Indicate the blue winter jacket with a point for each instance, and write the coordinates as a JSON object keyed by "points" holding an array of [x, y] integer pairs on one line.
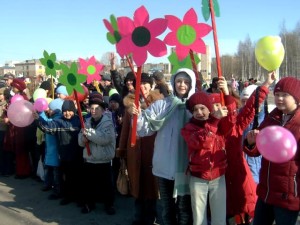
{"points": [[51, 150]]}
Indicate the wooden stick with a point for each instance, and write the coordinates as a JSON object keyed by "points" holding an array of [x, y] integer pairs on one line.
{"points": [[218, 60], [136, 102], [81, 120], [198, 82], [132, 69]]}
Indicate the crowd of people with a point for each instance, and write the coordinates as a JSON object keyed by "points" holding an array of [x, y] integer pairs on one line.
{"points": [[195, 149]]}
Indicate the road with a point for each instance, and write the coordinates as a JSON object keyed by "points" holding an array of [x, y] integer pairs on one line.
{"points": [[23, 203]]}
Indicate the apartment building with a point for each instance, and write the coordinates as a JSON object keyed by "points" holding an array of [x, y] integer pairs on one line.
{"points": [[30, 68], [7, 69]]}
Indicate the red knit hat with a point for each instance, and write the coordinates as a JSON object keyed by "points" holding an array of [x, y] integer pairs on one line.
{"points": [[200, 97], [19, 84], [290, 85], [215, 98]]}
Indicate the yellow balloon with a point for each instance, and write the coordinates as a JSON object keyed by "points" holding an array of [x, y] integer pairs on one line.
{"points": [[49, 100], [269, 52]]}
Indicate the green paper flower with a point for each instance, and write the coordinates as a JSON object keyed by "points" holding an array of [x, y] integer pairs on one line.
{"points": [[71, 79], [49, 61], [113, 35], [206, 10], [185, 63]]}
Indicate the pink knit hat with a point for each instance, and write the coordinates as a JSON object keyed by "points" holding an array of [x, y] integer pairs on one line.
{"points": [[290, 85], [200, 97]]}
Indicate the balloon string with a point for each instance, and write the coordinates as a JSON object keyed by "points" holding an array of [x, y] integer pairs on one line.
{"points": [[81, 120], [218, 60]]}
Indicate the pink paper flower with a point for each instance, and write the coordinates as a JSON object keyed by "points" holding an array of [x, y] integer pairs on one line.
{"points": [[186, 34], [139, 36], [91, 69]]}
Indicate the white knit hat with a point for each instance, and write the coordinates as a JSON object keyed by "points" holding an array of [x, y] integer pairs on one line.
{"points": [[247, 91]]}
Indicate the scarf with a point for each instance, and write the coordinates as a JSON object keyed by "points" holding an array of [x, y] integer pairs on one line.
{"points": [[181, 186]]}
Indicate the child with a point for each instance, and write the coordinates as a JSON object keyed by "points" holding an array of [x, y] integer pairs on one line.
{"points": [[52, 169], [99, 134], [207, 155], [66, 129], [278, 187], [240, 185]]}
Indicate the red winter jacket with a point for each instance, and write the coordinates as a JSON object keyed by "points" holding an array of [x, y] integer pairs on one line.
{"points": [[240, 185], [279, 182], [206, 145]]}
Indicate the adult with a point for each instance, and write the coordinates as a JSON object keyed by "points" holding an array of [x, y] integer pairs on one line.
{"points": [[161, 84], [15, 140], [213, 87], [8, 78], [143, 184]]}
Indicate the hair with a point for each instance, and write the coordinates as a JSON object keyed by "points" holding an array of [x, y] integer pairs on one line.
{"points": [[235, 95]]}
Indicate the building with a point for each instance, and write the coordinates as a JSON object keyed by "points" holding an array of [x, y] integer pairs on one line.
{"points": [[204, 66], [30, 68], [7, 69]]}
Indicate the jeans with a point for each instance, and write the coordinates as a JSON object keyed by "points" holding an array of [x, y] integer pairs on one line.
{"points": [[145, 211], [215, 192], [265, 214], [174, 211], [53, 178]]}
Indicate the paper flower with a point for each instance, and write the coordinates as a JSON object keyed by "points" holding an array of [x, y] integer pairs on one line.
{"points": [[113, 35], [186, 34], [185, 63], [206, 9], [71, 79], [139, 36], [49, 61], [91, 69]]}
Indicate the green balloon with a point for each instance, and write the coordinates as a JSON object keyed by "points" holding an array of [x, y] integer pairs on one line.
{"points": [[39, 93]]}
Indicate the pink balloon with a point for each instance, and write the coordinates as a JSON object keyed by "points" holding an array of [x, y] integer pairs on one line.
{"points": [[277, 144], [20, 113], [40, 105], [16, 98]]}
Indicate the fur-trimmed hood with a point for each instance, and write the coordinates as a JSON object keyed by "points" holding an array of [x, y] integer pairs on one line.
{"points": [[153, 96]]}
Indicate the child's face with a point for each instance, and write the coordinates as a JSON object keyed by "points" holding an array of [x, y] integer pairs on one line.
{"points": [[61, 96], [201, 112], [113, 105], [285, 102], [49, 112], [182, 86], [217, 106], [68, 114], [15, 90]]}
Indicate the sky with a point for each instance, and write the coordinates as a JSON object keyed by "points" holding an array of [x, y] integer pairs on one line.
{"points": [[74, 28]]}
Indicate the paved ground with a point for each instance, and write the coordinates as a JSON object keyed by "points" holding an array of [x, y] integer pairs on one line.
{"points": [[22, 202]]}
